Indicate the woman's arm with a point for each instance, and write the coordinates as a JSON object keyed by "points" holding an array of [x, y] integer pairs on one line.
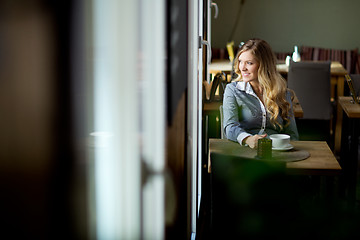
{"points": [[232, 126]]}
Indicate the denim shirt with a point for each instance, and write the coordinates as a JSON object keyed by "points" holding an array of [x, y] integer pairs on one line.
{"points": [[246, 115]]}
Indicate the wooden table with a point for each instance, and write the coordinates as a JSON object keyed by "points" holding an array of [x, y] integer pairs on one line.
{"points": [[223, 65], [351, 109], [217, 66], [321, 161], [338, 73], [350, 144]]}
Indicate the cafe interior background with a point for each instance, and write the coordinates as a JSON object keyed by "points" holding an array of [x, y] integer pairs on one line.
{"points": [[101, 106]]}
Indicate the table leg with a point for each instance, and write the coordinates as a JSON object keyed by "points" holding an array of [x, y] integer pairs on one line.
{"points": [[338, 129], [340, 85], [339, 115]]}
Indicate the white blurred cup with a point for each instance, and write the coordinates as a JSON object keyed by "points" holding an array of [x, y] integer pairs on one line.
{"points": [[280, 140]]}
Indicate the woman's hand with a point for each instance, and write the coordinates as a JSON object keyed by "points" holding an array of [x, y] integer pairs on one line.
{"points": [[252, 141]]}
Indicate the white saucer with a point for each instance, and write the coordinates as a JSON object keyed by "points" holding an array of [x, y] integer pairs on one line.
{"points": [[288, 147]]}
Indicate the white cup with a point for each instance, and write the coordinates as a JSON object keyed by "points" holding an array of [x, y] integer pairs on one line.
{"points": [[280, 140]]}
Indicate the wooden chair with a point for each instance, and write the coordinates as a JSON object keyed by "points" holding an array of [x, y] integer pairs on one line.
{"points": [[356, 83], [222, 130]]}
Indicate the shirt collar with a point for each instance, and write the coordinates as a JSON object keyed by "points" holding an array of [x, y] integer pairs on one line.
{"points": [[244, 86]]}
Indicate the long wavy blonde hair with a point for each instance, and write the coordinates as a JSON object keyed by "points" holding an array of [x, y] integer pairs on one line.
{"points": [[273, 84]]}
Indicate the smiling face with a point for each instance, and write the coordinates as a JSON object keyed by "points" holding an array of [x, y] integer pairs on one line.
{"points": [[248, 66]]}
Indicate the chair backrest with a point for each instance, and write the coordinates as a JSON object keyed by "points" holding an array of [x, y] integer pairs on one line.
{"points": [[222, 122], [356, 83], [311, 83]]}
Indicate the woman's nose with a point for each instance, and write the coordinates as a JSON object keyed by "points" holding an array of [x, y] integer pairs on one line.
{"points": [[242, 66]]}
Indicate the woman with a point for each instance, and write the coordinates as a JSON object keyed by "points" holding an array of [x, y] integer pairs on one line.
{"points": [[258, 104]]}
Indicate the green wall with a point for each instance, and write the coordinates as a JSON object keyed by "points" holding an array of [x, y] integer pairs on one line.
{"points": [[285, 23]]}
